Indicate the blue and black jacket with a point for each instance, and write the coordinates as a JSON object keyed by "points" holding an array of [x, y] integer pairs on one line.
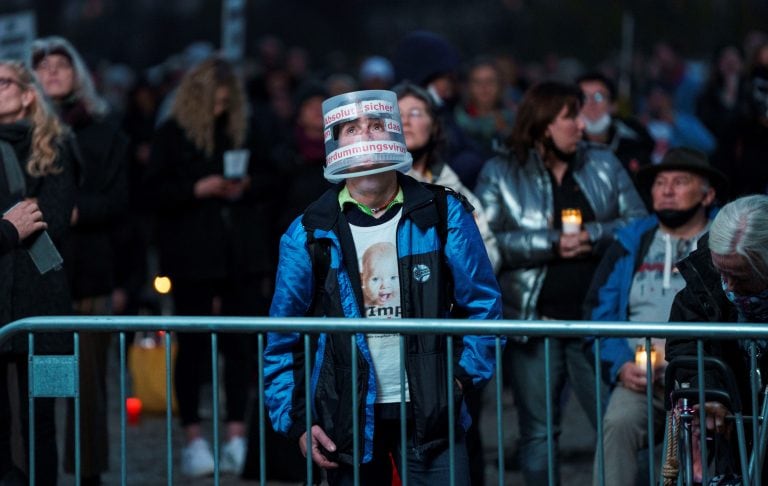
{"points": [[436, 282], [608, 296]]}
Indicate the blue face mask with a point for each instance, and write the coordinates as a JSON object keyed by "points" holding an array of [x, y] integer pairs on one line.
{"points": [[752, 308]]}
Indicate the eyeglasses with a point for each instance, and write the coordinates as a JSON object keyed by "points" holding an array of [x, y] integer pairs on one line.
{"points": [[7, 82], [413, 113], [596, 97]]}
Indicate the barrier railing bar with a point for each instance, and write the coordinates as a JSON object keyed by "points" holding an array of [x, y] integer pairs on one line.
{"points": [[451, 412], [649, 409], [702, 410], [308, 406], [499, 415], [550, 433], [403, 419], [313, 325], [31, 398], [78, 435], [123, 415], [262, 418], [355, 413], [754, 385], [168, 406], [599, 411], [215, 400]]}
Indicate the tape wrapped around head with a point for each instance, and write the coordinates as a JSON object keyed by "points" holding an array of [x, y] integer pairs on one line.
{"points": [[363, 135]]}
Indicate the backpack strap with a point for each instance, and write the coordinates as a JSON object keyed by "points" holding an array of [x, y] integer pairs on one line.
{"points": [[441, 203]]}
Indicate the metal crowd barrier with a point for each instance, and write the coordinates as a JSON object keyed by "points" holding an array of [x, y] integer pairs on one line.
{"points": [[57, 376]]}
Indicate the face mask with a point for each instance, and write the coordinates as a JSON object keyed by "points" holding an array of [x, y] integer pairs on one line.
{"points": [[675, 218], [753, 308], [598, 126]]}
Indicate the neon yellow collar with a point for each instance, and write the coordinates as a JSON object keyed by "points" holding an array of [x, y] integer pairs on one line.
{"points": [[346, 198]]}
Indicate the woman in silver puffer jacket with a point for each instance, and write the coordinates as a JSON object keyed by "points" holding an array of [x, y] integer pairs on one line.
{"points": [[545, 272]]}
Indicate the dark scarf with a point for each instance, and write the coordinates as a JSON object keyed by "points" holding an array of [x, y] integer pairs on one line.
{"points": [[19, 136], [550, 146], [16, 133], [74, 113]]}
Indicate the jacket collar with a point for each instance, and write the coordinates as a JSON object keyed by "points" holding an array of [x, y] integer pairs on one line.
{"points": [[323, 214], [578, 161], [704, 282]]}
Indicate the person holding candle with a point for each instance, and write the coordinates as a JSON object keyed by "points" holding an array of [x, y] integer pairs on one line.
{"points": [[545, 271], [637, 281]]}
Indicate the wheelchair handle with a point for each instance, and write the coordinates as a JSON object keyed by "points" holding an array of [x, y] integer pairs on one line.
{"points": [[710, 364]]}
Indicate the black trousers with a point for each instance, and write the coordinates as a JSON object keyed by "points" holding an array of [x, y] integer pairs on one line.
{"points": [[193, 361]]}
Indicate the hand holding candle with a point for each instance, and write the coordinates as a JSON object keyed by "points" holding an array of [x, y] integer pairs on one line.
{"points": [[641, 357], [571, 219]]}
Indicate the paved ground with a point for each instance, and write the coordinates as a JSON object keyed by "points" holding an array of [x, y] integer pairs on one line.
{"points": [[147, 463]]}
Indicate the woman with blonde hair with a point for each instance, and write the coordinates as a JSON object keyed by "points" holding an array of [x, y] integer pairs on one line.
{"points": [[36, 165], [211, 242]]}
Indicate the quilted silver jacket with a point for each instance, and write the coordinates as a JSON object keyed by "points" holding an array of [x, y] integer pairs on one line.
{"points": [[518, 203], [445, 176]]}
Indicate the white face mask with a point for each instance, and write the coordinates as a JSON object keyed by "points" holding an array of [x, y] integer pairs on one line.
{"points": [[598, 126]]}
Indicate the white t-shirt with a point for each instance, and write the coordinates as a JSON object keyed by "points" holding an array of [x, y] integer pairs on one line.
{"points": [[376, 248], [657, 281]]}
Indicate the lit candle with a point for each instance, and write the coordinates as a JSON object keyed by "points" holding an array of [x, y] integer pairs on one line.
{"points": [[571, 221], [133, 409], [641, 357]]}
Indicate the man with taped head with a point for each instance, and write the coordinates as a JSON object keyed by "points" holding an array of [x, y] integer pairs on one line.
{"points": [[440, 268]]}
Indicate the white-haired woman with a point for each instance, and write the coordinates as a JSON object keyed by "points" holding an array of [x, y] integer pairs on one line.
{"points": [[101, 202], [727, 281], [36, 165], [212, 243]]}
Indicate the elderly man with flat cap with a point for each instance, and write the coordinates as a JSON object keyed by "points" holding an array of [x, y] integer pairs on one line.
{"points": [[637, 280]]}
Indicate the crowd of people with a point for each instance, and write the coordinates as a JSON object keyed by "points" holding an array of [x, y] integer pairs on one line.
{"points": [[419, 185]]}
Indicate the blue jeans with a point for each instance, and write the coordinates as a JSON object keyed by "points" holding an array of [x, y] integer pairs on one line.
{"points": [[431, 471], [571, 360]]}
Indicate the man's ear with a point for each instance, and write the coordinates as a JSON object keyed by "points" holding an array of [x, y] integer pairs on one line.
{"points": [[709, 197]]}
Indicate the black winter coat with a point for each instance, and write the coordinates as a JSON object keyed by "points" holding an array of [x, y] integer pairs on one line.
{"points": [[23, 291], [205, 238], [703, 300], [102, 201]]}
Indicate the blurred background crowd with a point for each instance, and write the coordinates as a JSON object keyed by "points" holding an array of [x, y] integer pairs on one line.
{"points": [[151, 105]]}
